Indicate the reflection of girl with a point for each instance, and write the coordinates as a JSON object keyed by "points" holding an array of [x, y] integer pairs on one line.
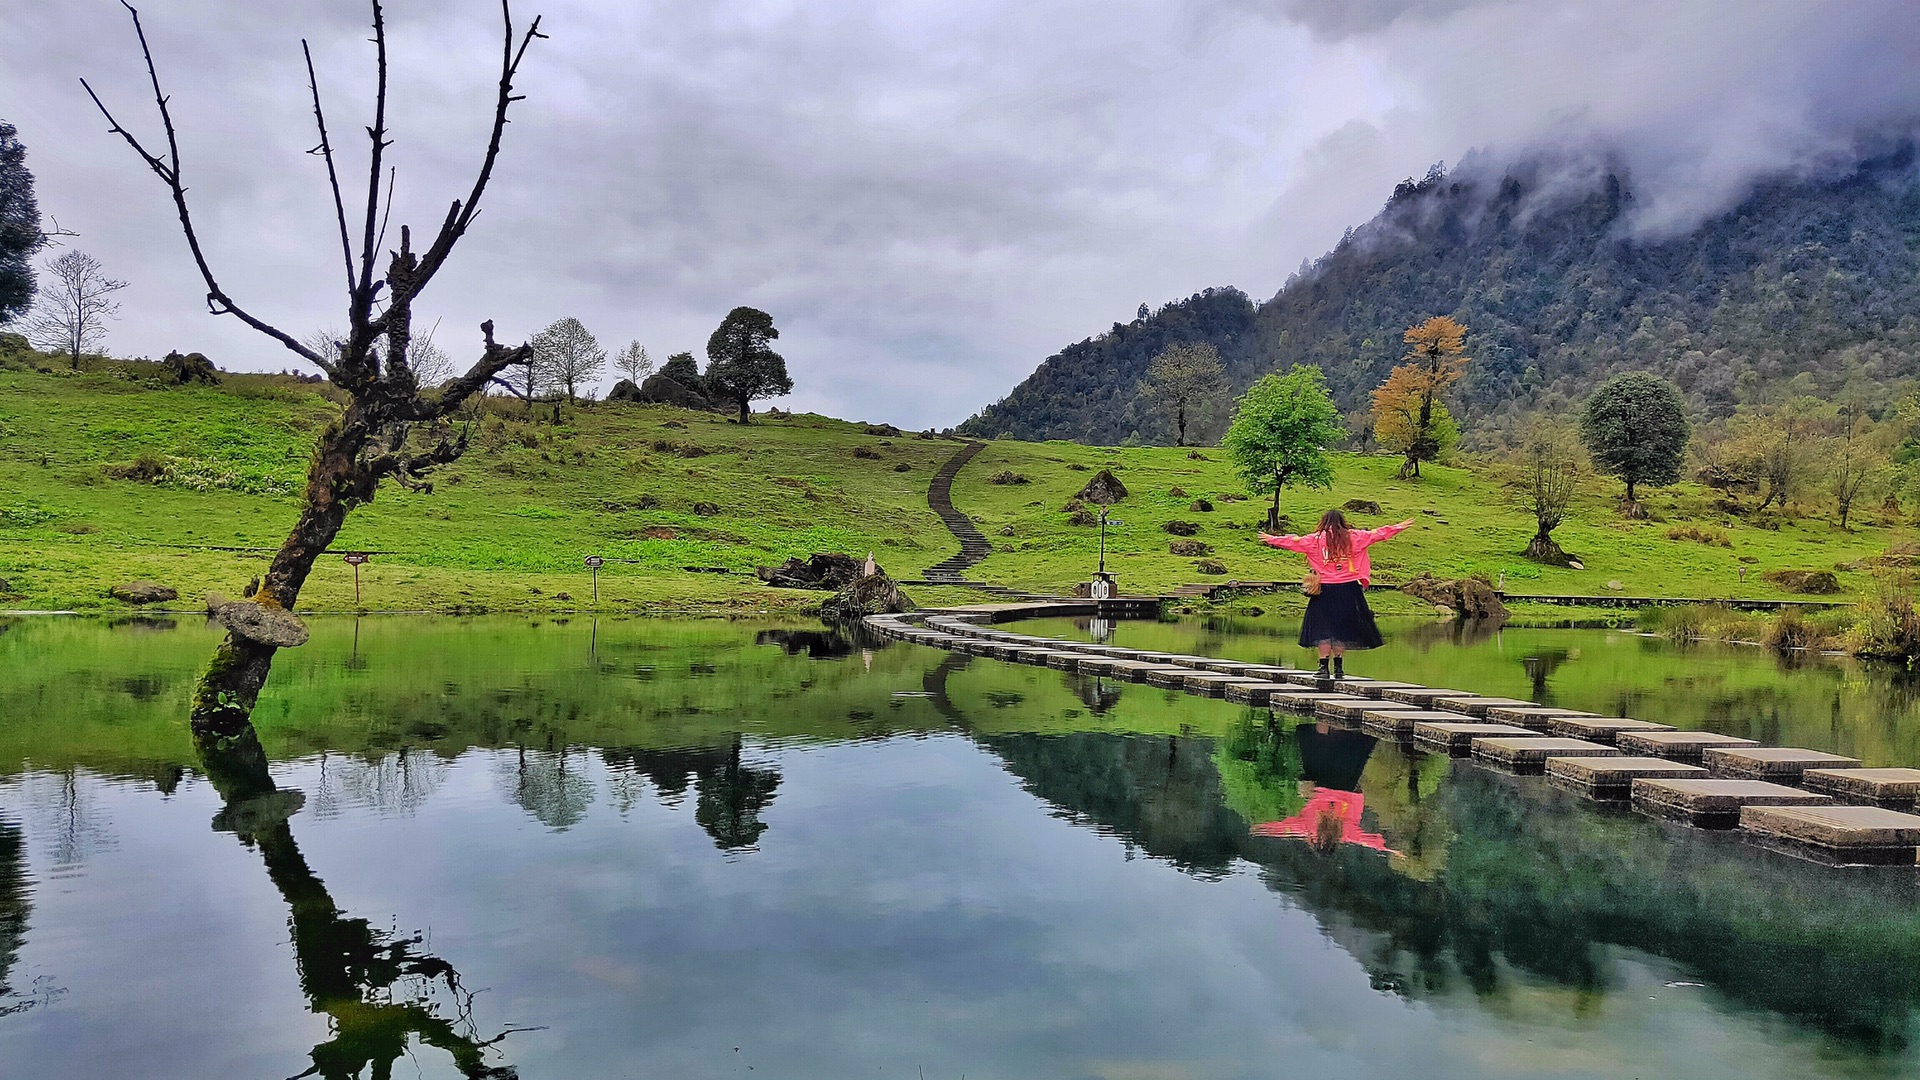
{"points": [[1337, 617]]}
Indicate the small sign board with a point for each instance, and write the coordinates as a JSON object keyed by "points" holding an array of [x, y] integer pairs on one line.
{"points": [[356, 558], [595, 562]]}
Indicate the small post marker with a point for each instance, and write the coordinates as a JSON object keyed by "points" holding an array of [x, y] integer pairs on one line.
{"points": [[356, 559], [594, 562]]}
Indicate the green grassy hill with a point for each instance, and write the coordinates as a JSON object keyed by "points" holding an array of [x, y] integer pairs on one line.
{"points": [[657, 491]]}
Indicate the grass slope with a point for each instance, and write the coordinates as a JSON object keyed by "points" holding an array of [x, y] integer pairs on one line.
{"points": [[508, 526]]}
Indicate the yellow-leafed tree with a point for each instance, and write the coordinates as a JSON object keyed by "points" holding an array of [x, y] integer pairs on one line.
{"points": [[1408, 416]]}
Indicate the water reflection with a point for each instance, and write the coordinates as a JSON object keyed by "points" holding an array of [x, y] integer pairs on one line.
{"points": [[909, 819], [380, 992]]}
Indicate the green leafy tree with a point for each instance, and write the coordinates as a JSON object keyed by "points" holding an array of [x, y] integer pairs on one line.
{"points": [[683, 369], [1282, 427], [741, 367], [1635, 426]]}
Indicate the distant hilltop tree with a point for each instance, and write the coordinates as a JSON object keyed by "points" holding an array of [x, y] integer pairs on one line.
{"points": [[741, 366], [568, 356], [71, 313], [633, 362]]}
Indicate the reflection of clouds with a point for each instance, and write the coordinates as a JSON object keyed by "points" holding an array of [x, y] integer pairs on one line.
{"points": [[397, 784], [552, 785]]}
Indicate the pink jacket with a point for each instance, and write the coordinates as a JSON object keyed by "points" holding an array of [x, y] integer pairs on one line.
{"points": [[1356, 567]]}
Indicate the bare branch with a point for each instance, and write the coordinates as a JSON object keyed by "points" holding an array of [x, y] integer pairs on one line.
{"points": [[363, 296], [462, 214], [495, 359], [326, 151], [218, 302]]}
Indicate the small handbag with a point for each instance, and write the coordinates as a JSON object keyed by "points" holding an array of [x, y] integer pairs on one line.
{"points": [[1310, 584]]}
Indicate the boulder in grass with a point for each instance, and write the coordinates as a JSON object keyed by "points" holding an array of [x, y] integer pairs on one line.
{"points": [[1361, 506], [1812, 582], [1104, 489], [875, 594], [258, 619], [192, 368], [1468, 598], [143, 592]]}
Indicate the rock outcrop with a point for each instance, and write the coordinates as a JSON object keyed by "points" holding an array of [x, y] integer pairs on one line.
{"points": [[1468, 598], [821, 571], [143, 592], [876, 594]]}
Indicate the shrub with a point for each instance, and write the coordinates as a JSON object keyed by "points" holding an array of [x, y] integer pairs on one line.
{"points": [[1710, 537], [665, 446], [1083, 517], [1813, 582], [1182, 528], [147, 469], [1195, 455], [1201, 506], [692, 451], [1790, 631], [705, 509], [1887, 627], [903, 467], [1077, 467], [1361, 506], [867, 452], [1190, 547], [1177, 492], [1007, 476], [1210, 566]]}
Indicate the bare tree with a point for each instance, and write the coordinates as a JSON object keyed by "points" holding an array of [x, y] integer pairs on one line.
{"points": [[633, 362], [567, 355], [1854, 463], [1185, 379], [75, 303], [1550, 470], [388, 428]]}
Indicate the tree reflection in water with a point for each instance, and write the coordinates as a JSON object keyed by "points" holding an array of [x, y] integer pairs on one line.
{"points": [[732, 794], [378, 991]]}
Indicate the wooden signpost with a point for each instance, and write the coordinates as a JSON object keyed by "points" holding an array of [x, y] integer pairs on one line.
{"points": [[356, 559], [594, 562]]}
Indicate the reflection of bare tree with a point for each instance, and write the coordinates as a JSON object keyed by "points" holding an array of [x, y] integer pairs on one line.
{"points": [[379, 992], [547, 784], [398, 783], [731, 793], [13, 912], [65, 812]]}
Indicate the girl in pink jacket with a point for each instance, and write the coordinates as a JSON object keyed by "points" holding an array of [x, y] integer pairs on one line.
{"points": [[1337, 617]]}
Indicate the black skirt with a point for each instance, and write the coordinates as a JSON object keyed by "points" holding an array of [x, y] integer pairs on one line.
{"points": [[1340, 616]]}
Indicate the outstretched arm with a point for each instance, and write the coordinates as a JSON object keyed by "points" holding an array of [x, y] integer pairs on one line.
{"points": [[1387, 532], [1291, 543]]}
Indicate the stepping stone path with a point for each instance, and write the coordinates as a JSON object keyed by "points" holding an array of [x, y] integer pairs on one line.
{"points": [[1700, 778]]}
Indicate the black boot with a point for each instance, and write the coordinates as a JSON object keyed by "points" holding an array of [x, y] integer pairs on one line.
{"points": [[1322, 673], [1339, 668]]}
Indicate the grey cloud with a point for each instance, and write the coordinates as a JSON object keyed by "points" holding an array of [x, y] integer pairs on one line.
{"points": [[929, 198]]}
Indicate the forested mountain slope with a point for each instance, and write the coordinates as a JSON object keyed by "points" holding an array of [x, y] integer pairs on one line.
{"points": [[1814, 276]]}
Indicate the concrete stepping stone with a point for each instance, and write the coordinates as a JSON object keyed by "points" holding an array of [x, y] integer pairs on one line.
{"points": [[1837, 835], [1214, 683], [1712, 804], [1169, 676], [1256, 692], [1610, 779], [1395, 719], [1352, 708], [1455, 737], [1422, 695], [1135, 670], [1529, 755], [1228, 667], [1370, 688], [1600, 729], [1065, 660], [1096, 665], [1893, 789], [1475, 706], [1301, 701], [1780, 764], [1679, 745], [1047, 657], [1537, 717], [1308, 679]]}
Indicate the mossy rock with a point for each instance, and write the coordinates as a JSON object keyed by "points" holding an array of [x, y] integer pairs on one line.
{"points": [[1190, 547], [1182, 528], [1809, 582]]}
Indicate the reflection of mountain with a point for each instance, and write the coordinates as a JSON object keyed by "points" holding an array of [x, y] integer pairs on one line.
{"points": [[380, 993], [1530, 881], [731, 794]]}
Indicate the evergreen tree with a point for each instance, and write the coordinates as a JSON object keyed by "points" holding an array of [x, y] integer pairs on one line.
{"points": [[1635, 426], [740, 366], [20, 235], [1281, 430]]}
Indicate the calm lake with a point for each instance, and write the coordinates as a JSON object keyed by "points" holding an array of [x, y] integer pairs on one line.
{"points": [[638, 848]]}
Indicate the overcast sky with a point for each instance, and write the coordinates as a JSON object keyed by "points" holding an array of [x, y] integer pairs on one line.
{"points": [[929, 198]]}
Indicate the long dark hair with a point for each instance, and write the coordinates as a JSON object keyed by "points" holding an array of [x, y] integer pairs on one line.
{"points": [[1334, 532]]}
